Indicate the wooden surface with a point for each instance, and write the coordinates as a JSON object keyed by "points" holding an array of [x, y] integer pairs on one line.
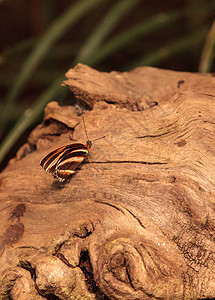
{"points": [[140, 228]]}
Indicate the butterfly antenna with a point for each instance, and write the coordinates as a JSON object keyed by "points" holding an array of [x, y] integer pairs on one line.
{"points": [[87, 134], [85, 128], [99, 138]]}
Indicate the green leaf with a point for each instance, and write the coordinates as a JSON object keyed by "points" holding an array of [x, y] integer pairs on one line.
{"points": [[30, 116], [55, 31], [112, 18], [127, 37], [207, 56], [162, 53]]}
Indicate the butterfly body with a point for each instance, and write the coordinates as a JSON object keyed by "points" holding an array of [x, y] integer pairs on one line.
{"points": [[63, 162]]}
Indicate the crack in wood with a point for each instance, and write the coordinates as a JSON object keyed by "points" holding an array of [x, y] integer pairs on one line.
{"points": [[127, 162], [141, 224], [152, 136], [205, 94], [27, 266], [63, 259], [51, 297], [112, 205], [86, 268]]}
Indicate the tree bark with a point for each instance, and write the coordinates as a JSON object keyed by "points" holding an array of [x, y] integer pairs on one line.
{"points": [[137, 224]]}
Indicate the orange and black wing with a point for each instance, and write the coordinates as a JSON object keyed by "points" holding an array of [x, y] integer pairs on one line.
{"points": [[63, 162]]}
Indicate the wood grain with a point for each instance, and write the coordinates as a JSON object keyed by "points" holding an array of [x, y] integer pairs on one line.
{"points": [[140, 228]]}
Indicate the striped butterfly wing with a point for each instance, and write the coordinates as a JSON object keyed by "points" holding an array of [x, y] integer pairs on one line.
{"points": [[69, 162], [63, 161]]}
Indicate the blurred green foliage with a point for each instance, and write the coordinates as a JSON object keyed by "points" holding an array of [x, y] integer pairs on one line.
{"points": [[119, 35]]}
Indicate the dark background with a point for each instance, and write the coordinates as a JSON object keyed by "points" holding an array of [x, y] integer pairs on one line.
{"points": [[165, 34]]}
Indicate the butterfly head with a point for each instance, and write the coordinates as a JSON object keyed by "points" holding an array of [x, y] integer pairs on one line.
{"points": [[89, 144]]}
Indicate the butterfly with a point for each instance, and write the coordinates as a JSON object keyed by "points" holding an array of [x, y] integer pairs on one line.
{"points": [[63, 162]]}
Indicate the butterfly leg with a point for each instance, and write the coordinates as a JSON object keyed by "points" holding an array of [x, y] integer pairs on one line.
{"points": [[92, 163]]}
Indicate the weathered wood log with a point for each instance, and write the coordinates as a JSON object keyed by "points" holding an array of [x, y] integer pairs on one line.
{"points": [[140, 228]]}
